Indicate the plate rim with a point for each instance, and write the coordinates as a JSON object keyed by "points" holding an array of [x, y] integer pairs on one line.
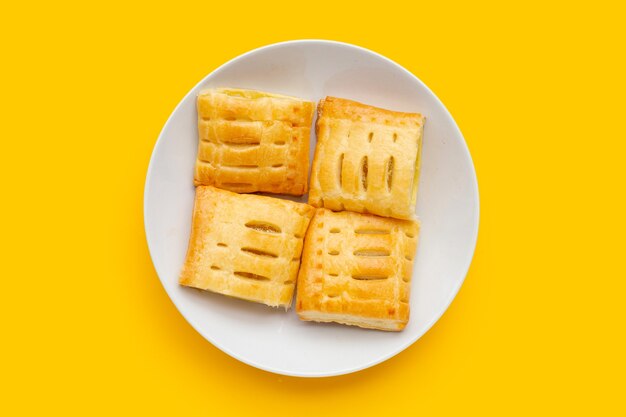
{"points": [[402, 347]]}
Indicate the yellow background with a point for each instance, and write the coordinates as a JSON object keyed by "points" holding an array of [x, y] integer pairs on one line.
{"points": [[538, 90]]}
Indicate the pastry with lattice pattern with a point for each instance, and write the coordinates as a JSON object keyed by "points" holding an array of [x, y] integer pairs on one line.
{"points": [[253, 141], [245, 246], [356, 270], [366, 160]]}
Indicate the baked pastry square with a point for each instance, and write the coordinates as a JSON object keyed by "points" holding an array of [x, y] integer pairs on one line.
{"points": [[367, 159], [245, 246], [252, 141], [356, 270]]}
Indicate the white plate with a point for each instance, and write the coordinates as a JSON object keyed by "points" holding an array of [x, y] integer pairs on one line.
{"points": [[275, 340]]}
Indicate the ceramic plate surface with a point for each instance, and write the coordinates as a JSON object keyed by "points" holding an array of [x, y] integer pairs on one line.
{"points": [[275, 340]]}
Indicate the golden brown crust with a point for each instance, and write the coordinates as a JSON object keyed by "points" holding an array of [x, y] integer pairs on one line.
{"points": [[366, 160], [253, 141], [356, 269], [341, 108], [245, 246]]}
